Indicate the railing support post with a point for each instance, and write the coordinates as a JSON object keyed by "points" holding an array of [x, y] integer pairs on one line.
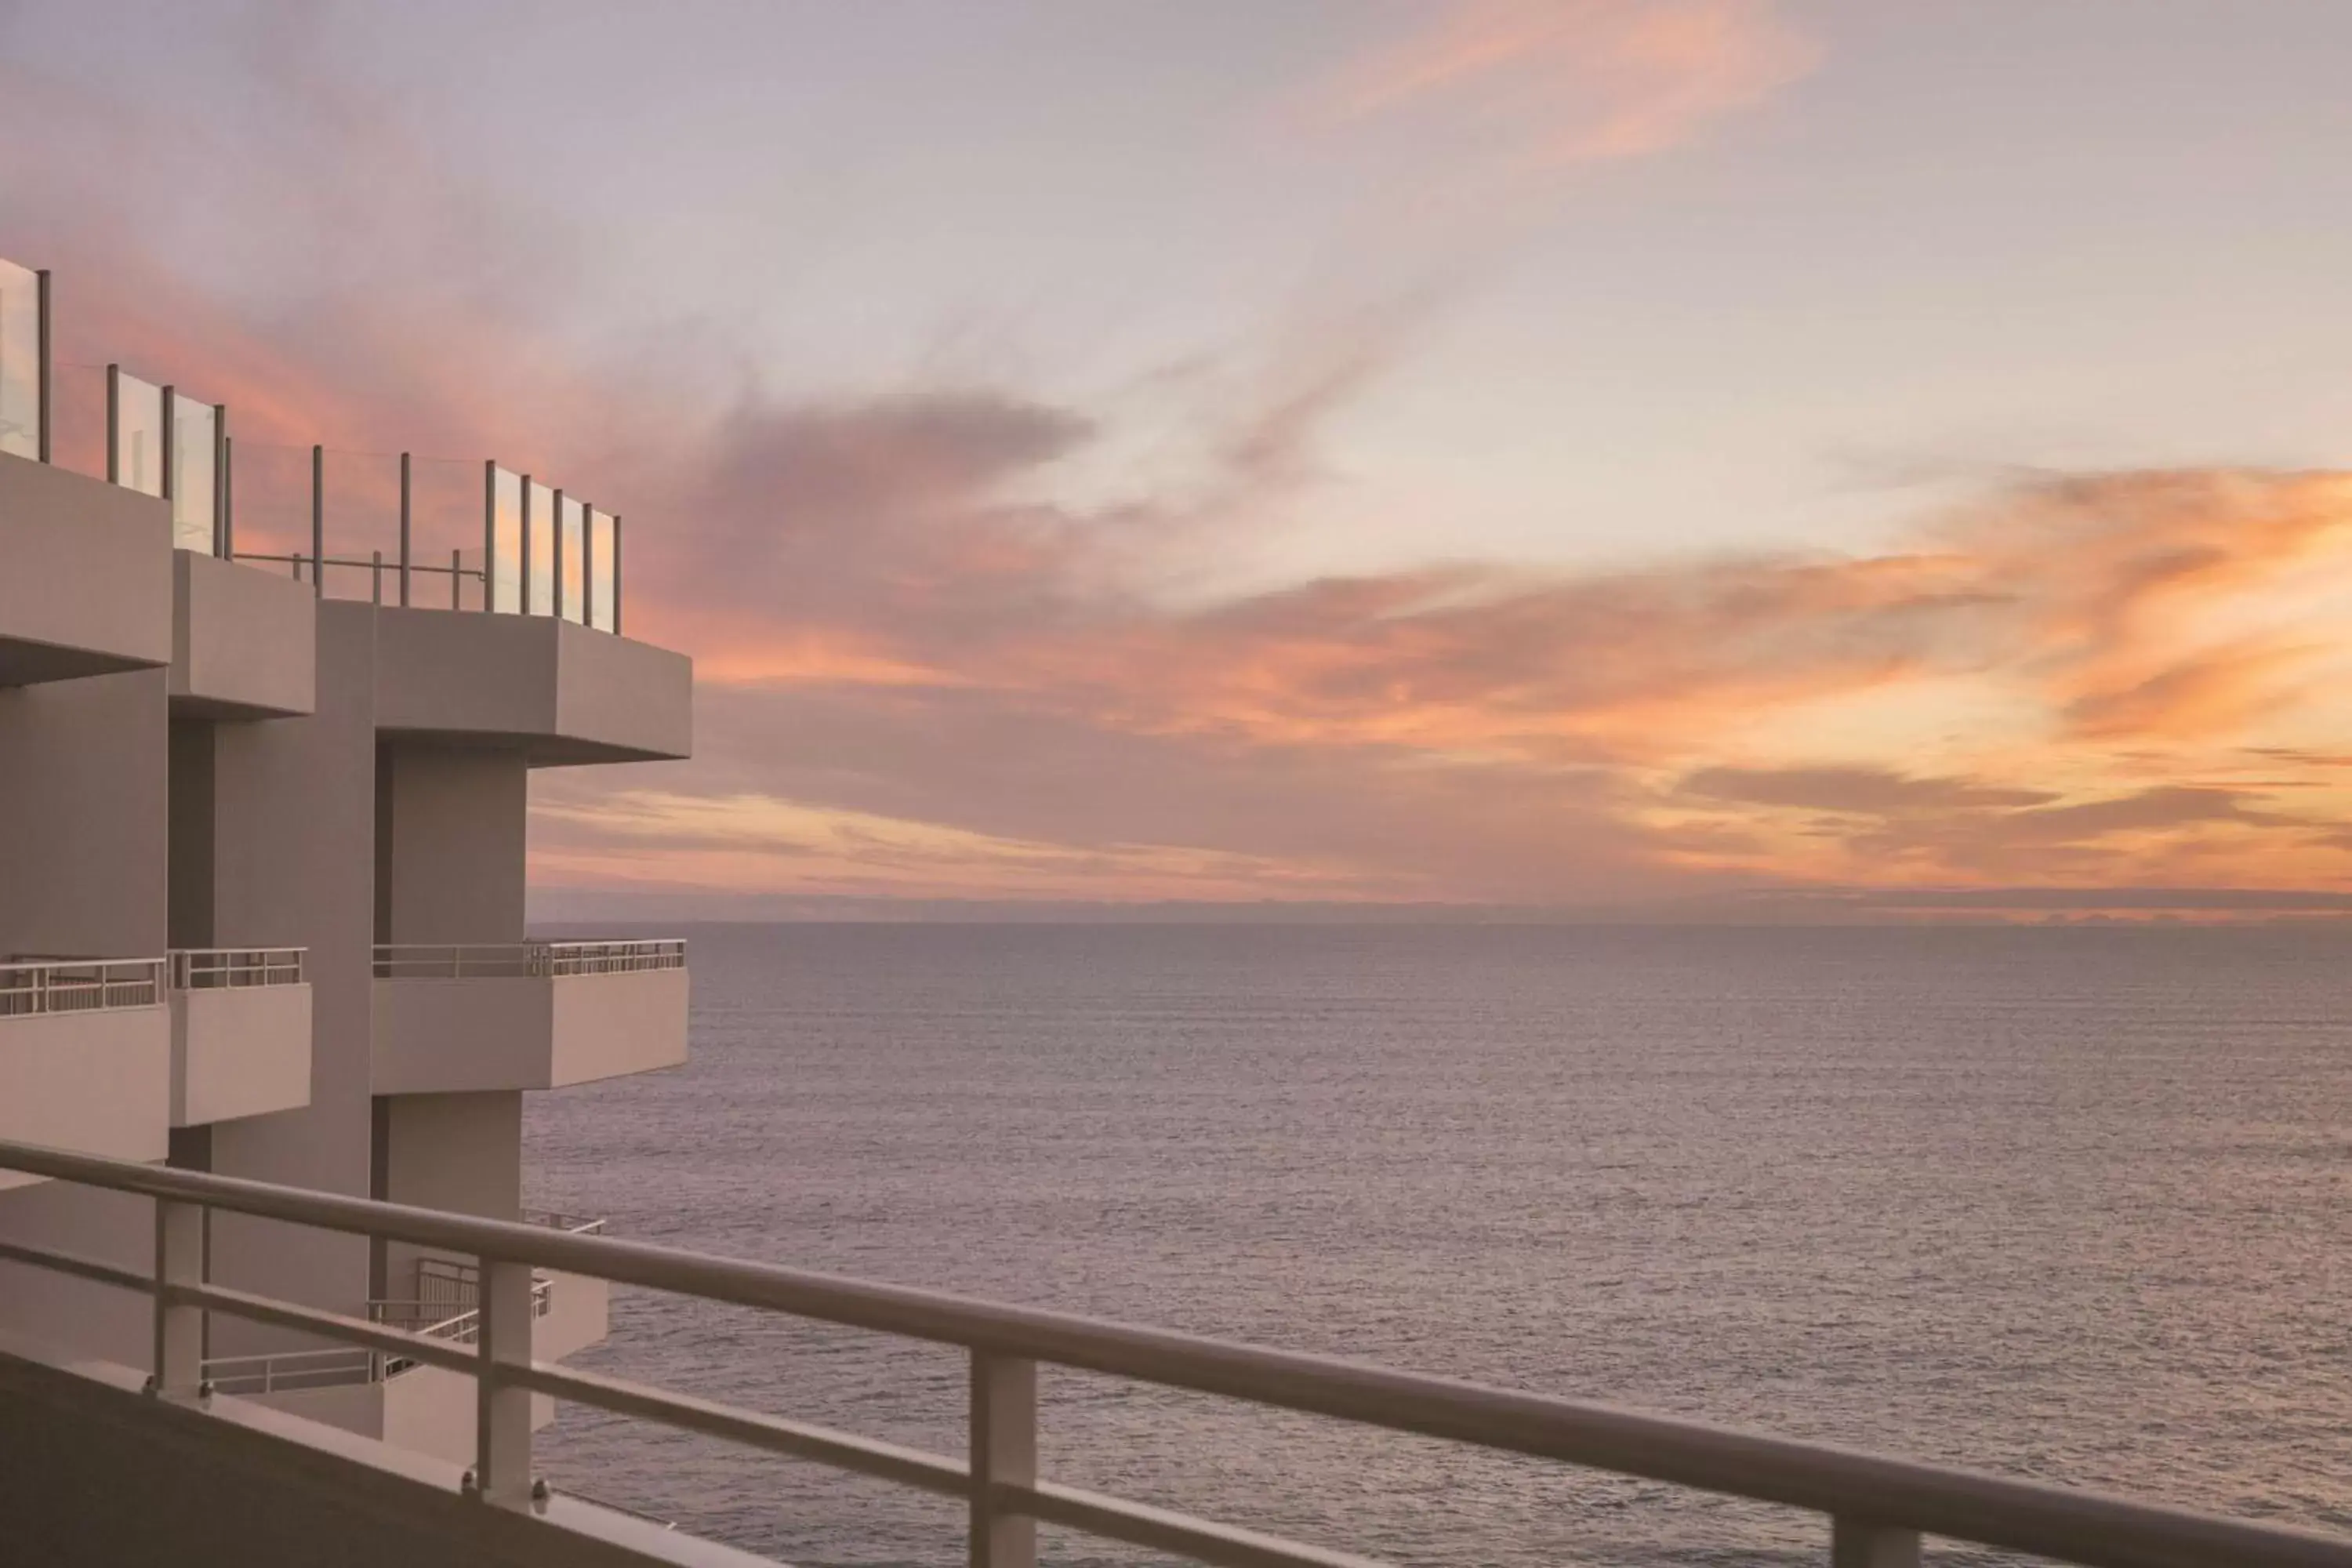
{"points": [[179, 1330], [1003, 1449], [1859, 1544], [318, 521], [403, 530], [502, 1411]]}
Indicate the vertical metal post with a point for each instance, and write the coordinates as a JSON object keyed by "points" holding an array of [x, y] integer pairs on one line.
{"points": [[375, 578], [456, 557], [490, 539], [171, 443], [318, 521], [1003, 1449], [41, 352], [1859, 1544], [555, 585], [114, 424], [403, 530], [221, 546], [179, 1330], [502, 1411], [523, 576], [616, 575], [588, 566]]}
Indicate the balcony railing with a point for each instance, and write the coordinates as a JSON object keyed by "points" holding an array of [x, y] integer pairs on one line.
{"points": [[36, 987], [224, 968], [571, 1224], [446, 1307], [541, 551], [1877, 1509], [528, 960]]}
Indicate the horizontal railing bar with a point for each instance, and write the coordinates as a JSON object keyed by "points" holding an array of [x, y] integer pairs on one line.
{"points": [[79, 1266], [325, 1325], [2042, 1520], [842, 1450], [1141, 1524]]}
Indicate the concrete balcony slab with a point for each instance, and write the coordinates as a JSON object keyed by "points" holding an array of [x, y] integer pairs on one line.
{"points": [[84, 1075], [245, 642], [239, 1051], [555, 691], [466, 1032], [87, 589]]}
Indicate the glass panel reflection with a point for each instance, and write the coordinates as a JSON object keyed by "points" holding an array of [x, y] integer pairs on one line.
{"points": [[539, 564], [20, 360], [600, 570], [194, 488], [138, 424], [572, 581], [505, 542]]}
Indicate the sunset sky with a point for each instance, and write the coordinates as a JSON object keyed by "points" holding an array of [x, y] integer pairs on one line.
{"points": [[1604, 455]]}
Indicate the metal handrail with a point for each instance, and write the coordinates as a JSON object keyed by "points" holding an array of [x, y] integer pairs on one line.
{"points": [[46, 985], [218, 968], [1879, 1506], [512, 960], [577, 1224]]}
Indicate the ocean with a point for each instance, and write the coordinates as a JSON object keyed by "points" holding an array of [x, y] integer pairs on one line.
{"points": [[2063, 1203]]}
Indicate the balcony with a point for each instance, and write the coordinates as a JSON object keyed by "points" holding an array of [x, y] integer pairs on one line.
{"points": [[533, 1014], [240, 1033], [398, 1399], [553, 690], [244, 641], [86, 1057], [87, 589]]}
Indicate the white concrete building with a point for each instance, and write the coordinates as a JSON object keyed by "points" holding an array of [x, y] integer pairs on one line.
{"points": [[262, 872]]}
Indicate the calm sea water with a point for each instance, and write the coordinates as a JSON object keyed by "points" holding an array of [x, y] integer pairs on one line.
{"points": [[2063, 1203]]}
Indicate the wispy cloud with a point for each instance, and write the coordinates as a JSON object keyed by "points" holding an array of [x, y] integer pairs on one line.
{"points": [[1549, 82]]}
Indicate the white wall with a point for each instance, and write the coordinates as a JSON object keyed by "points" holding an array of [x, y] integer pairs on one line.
{"points": [[241, 1051], [293, 865], [450, 844], [87, 585], [242, 638], [84, 808]]}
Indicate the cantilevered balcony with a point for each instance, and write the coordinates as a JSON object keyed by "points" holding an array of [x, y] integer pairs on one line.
{"points": [[87, 585], [86, 1057], [244, 641], [533, 1014], [553, 690], [240, 1033]]}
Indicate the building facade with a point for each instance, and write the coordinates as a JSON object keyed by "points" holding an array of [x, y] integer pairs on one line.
{"points": [[262, 869]]}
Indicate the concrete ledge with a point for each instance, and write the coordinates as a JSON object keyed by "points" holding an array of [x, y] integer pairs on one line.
{"points": [[552, 690], [95, 1083], [239, 1050], [449, 1036], [99, 1474], [88, 588], [245, 642]]}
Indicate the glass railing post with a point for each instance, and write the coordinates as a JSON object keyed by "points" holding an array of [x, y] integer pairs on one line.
{"points": [[616, 575], [45, 421], [114, 424], [404, 529], [523, 574], [318, 521], [1003, 1450], [489, 541], [221, 545]]}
